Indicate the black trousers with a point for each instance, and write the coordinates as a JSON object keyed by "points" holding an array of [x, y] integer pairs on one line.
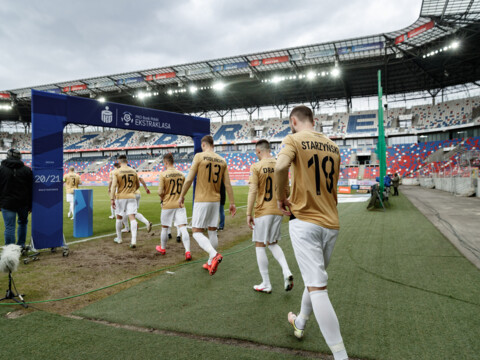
{"points": [[395, 191]]}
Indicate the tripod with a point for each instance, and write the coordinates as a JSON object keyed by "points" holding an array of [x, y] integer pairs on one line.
{"points": [[10, 295]]}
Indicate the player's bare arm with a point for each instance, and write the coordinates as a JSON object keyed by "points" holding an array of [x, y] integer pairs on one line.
{"points": [[229, 191], [188, 182], [252, 196], [144, 184], [113, 191], [281, 178], [161, 189]]}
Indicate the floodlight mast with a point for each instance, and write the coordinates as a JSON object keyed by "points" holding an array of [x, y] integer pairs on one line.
{"points": [[381, 147]]}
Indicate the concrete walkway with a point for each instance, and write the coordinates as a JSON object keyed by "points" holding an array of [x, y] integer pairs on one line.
{"points": [[458, 218]]}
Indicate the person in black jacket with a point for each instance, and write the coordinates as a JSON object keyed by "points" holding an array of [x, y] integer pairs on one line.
{"points": [[16, 182], [222, 207]]}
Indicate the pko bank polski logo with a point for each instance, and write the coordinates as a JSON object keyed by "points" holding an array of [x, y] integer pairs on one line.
{"points": [[127, 118], [107, 115]]}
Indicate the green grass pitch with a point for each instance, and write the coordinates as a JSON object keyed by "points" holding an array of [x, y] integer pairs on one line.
{"points": [[400, 290]]}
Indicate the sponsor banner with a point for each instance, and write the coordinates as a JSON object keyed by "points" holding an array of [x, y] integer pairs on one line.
{"points": [[78, 87], [168, 75], [231, 66], [420, 30], [66, 89], [132, 80], [355, 187], [399, 39], [160, 76], [296, 57], [254, 62], [342, 183], [101, 84], [363, 191], [344, 190], [321, 53], [359, 48], [54, 91], [5, 95], [352, 182], [237, 65], [275, 60], [365, 187], [198, 71], [181, 73]]}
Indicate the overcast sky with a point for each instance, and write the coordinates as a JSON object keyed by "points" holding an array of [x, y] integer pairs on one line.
{"points": [[50, 41]]}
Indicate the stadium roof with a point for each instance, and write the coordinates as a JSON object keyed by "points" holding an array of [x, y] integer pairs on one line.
{"points": [[439, 50]]}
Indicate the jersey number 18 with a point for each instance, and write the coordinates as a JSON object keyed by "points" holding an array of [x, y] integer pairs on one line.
{"points": [[328, 175]]}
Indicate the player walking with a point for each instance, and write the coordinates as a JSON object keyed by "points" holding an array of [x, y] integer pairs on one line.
{"points": [[124, 184], [268, 218], [116, 166], [169, 190], [72, 180], [138, 196], [210, 169], [314, 223]]}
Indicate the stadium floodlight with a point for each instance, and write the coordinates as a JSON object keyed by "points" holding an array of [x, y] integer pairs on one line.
{"points": [[455, 44], [193, 89], [219, 86], [101, 99], [6, 107], [170, 92], [335, 72], [276, 79], [311, 75]]}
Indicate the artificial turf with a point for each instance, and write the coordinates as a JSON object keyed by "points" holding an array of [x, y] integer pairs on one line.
{"points": [[400, 290], [47, 336]]}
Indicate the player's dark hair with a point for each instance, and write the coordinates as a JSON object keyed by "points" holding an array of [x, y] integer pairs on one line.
{"points": [[168, 158], [122, 158], [302, 113], [263, 144], [116, 164], [208, 139]]}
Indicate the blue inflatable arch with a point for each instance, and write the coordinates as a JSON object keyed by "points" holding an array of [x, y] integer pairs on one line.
{"points": [[50, 114]]}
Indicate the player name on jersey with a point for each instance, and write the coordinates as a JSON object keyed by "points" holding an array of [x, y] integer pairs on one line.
{"points": [[317, 145]]}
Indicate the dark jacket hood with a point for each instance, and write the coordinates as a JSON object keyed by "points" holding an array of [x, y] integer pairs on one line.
{"points": [[13, 163]]}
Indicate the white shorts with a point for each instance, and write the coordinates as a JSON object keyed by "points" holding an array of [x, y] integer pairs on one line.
{"points": [[137, 198], [205, 214], [313, 246], [178, 216], [267, 229], [125, 207], [69, 198]]}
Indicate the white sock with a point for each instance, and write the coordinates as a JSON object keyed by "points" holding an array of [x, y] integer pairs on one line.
{"points": [[212, 235], [278, 254], [205, 244], [142, 218], [134, 226], [113, 211], [305, 310], [262, 261], [125, 222], [185, 238], [179, 231], [328, 322], [164, 238], [71, 208], [118, 227]]}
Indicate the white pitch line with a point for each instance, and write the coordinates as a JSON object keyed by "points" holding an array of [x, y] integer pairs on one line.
{"points": [[112, 234]]}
